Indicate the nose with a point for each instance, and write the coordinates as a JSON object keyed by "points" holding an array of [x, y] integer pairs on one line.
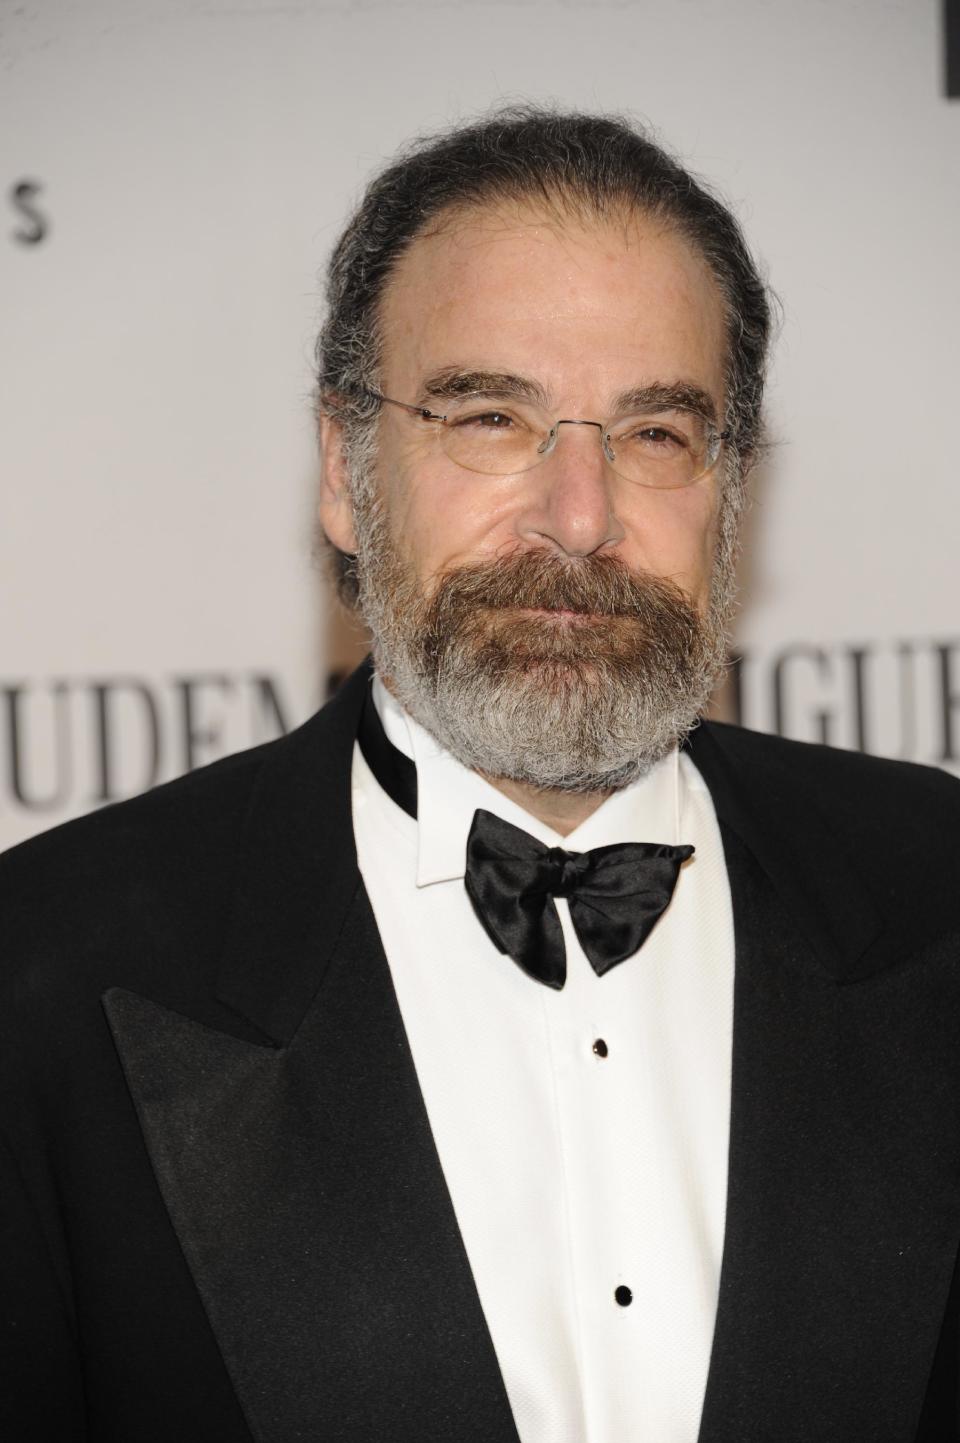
{"points": [[571, 494]]}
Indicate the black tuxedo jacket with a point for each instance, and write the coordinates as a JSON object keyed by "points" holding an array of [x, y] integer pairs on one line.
{"points": [[223, 1216]]}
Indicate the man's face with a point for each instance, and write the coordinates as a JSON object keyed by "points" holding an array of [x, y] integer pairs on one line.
{"points": [[582, 313], [587, 312]]}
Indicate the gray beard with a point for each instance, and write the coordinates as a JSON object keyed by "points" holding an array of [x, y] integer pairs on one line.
{"points": [[581, 703]]}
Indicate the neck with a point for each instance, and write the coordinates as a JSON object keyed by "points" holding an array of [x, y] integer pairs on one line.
{"points": [[561, 811]]}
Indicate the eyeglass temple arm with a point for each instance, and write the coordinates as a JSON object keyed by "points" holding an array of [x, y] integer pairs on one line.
{"points": [[405, 405]]}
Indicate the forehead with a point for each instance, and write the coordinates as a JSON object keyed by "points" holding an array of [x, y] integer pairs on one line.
{"points": [[579, 304]]}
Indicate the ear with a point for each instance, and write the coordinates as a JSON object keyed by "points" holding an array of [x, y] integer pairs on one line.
{"points": [[335, 507]]}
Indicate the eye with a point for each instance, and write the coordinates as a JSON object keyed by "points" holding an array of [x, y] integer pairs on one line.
{"points": [[659, 438], [662, 435], [483, 420]]}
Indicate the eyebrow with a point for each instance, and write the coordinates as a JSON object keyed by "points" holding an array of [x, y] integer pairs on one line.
{"points": [[453, 383], [450, 384], [662, 396]]}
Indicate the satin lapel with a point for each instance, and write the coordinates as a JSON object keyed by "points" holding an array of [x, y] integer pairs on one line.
{"points": [[301, 1175], [306, 1193], [843, 1199]]}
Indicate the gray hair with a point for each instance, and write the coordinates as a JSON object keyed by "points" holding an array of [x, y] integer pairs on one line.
{"points": [[593, 164]]}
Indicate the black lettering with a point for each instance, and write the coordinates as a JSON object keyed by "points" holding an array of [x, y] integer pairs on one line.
{"points": [[951, 40], [21, 198], [104, 696], [270, 719], [783, 668], [949, 701], [907, 688], [197, 735], [858, 657], [18, 744]]}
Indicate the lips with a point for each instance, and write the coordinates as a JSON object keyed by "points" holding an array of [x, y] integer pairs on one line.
{"points": [[560, 613]]}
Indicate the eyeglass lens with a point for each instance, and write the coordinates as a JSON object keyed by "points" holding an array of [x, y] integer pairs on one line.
{"points": [[665, 448]]}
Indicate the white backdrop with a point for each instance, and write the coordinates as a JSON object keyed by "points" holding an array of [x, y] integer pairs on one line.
{"points": [[174, 172]]}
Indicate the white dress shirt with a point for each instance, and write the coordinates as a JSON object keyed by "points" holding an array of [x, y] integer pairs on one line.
{"points": [[583, 1133]]}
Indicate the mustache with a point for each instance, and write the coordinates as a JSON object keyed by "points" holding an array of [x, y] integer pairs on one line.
{"points": [[537, 580]]}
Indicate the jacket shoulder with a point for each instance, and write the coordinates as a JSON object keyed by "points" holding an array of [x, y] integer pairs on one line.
{"points": [[864, 847], [840, 781], [156, 823], [145, 894], [891, 825], [143, 879]]}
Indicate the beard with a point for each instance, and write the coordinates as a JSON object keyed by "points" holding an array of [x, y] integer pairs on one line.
{"points": [[575, 674]]}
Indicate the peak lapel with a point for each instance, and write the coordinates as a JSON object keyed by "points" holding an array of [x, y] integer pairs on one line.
{"points": [[302, 1178], [761, 801], [841, 1227]]}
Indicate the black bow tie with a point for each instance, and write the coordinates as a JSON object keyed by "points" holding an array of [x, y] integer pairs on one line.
{"points": [[616, 894]]}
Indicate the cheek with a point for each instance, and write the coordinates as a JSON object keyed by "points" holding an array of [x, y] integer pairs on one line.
{"points": [[439, 517], [674, 533]]}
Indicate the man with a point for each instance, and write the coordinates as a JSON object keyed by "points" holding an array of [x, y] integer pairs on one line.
{"points": [[501, 1056]]}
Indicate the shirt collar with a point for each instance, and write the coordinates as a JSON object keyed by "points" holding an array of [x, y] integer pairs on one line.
{"points": [[449, 793]]}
